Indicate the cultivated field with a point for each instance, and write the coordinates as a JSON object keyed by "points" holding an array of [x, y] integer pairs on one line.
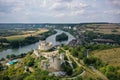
{"points": [[111, 56], [26, 34], [104, 28]]}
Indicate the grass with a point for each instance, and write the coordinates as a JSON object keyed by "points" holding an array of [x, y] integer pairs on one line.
{"points": [[111, 56], [103, 28], [104, 31], [107, 31], [21, 37], [87, 76]]}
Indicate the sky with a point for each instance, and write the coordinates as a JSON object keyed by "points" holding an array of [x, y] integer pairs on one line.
{"points": [[59, 11]]}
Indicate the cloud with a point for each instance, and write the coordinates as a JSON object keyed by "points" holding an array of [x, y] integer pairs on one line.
{"points": [[58, 6], [115, 3], [60, 15], [112, 12], [57, 10], [67, 6], [64, 0], [77, 13]]}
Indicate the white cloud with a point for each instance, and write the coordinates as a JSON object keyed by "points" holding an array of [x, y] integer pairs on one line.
{"points": [[52, 10], [114, 12], [116, 2], [58, 6], [77, 13], [60, 15], [68, 6]]}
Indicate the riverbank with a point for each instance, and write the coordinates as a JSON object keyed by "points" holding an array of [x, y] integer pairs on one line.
{"points": [[16, 43], [27, 48]]}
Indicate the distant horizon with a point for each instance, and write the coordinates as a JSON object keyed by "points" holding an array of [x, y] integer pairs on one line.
{"points": [[63, 23]]}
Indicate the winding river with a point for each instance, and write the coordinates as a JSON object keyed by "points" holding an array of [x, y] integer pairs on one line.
{"points": [[28, 48]]}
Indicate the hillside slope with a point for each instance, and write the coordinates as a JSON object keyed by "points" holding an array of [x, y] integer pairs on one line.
{"points": [[111, 56]]}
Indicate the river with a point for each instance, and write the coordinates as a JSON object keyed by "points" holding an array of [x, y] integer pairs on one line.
{"points": [[28, 48]]}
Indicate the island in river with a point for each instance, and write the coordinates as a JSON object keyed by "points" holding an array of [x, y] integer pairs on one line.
{"points": [[28, 48], [61, 37]]}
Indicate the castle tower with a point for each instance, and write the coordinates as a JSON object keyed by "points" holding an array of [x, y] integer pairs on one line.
{"points": [[43, 45]]}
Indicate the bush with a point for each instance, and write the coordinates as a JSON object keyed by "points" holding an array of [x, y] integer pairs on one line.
{"points": [[30, 62], [66, 67]]}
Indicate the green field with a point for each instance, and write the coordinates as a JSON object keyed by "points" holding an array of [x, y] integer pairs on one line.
{"points": [[111, 56], [21, 37], [104, 28]]}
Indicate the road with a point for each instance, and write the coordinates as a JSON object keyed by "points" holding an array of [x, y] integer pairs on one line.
{"points": [[102, 76], [99, 73], [76, 76], [87, 53], [93, 71]]}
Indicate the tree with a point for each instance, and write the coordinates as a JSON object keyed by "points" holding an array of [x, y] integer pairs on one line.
{"points": [[6, 78], [30, 62], [8, 56], [1, 67], [3, 40], [67, 68]]}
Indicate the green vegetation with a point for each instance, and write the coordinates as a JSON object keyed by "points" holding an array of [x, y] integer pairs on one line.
{"points": [[78, 71], [102, 28], [30, 62], [78, 51], [61, 37], [19, 72], [105, 60], [26, 41], [10, 32], [110, 56], [44, 35], [98, 46], [10, 56], [71, 31], [111, 72], [16, 43], [96, 62], [114, 30], [1, 67], [93, 35], [67, 68]]}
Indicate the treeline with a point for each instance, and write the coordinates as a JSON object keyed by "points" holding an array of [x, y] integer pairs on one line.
{"points": [[44, 35], [61, 37], [111, 72], [26, 41], [4, 43], [78, 51], [94, 61], [92, 35], [98, 46], [71, 31]]}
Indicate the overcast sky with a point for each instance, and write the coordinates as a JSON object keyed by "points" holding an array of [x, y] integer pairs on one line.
{"points": [[59, 11]]}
